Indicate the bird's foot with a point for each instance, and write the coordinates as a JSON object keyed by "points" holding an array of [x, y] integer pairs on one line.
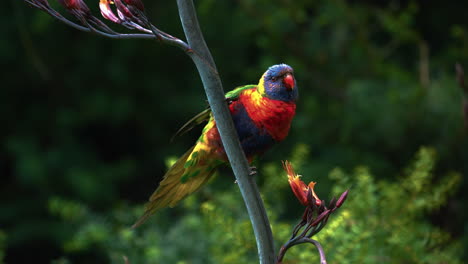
{"points": [[252, 171]]}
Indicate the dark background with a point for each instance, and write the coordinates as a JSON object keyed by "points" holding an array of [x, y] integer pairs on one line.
{"points": [[88, 119]]}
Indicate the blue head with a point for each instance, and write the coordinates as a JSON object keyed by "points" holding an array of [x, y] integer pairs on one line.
{"points": [[278, 83]]}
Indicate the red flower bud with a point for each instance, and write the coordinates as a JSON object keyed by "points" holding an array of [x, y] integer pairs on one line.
{"points": [[135, 3], [123, 11], [78, 5], [342, 199], [320, 218]]}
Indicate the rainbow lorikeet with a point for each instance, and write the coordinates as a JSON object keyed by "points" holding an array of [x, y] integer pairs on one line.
{"points": [[262, 115]]}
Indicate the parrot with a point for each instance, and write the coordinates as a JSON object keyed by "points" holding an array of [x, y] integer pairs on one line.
{"points": [[262, 116]]}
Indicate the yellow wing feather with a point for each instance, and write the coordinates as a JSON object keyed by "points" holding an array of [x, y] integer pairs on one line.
{"points": [[172, 188]]}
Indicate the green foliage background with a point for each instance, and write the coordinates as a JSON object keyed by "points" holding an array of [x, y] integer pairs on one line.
{"points": [[86, 124]]}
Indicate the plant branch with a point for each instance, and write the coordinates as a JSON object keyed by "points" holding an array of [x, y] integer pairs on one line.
{"points": [[319, 247], [214, 92], [301, 240], [136, 20]]}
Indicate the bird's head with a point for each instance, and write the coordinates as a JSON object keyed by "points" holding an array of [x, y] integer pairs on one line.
{"points": [[278, 83]]}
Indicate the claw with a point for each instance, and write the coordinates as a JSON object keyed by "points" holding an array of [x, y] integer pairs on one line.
{"points": [[253, 171]]}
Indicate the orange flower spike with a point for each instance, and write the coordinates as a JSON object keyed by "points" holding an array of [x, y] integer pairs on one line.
{"points": [[311, 186], [298, 187]]}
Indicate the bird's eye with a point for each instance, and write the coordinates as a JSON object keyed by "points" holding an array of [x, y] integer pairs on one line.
{"points": [[274, 79]]}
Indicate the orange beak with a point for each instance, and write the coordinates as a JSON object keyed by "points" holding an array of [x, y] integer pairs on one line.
{"points": [[289, 81]]}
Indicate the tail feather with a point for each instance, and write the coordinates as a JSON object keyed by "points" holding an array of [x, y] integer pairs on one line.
{"points": [[172, 189], [191, 186]]}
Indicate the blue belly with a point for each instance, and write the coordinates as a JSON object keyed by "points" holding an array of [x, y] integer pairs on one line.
{"points": [[254, 140]]}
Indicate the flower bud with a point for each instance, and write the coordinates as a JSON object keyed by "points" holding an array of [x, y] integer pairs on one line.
{"points": [[320, 218], [123, 11], [342, 199], [77, 5], [332, 203], [107, 12]]}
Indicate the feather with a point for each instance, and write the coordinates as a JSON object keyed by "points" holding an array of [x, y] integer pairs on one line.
{"points": [[171, 189], [196, 120]]}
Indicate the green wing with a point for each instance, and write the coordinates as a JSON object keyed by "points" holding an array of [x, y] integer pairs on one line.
{"points": [[205, 114], [234, 94]]}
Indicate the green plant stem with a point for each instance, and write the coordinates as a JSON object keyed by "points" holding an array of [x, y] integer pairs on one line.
{"points": [[214, 91]]}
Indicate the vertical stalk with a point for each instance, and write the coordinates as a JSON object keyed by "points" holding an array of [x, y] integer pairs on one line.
{"points": [[204, 62]]}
